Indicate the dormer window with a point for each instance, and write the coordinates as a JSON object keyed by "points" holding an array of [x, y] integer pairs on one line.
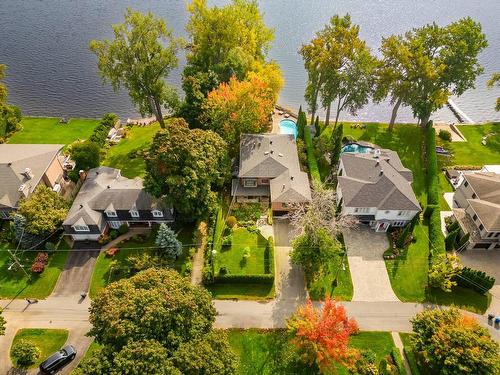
{"points": [[110, 213], [81, 228], [134, 213], [250, 182], [157, 213]]}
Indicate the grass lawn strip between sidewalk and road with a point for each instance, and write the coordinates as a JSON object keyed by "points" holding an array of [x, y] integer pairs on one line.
{"points": [[50, 131], [48, 341]]}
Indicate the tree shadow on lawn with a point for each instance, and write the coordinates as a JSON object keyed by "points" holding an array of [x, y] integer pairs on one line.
{"points": [[463, 298]]}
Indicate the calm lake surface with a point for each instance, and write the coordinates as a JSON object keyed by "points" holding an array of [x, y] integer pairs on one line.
{"points": [[44, 43]]}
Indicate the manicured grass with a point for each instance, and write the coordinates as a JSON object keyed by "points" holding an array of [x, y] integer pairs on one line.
{"points": [[137, 139], [246, 291], [408, 275], [48, 341], [444, 187], [14, 283], [410, 354], [323, 285], [49, 130], [473, 152], [109, 269], [257, 350], [463, 298], [231, 257]]}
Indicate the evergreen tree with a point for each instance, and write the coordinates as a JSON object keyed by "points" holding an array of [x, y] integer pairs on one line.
{"points": [[317, 127], [301, 123], [168, 243], [400, 242], [337, 136]]}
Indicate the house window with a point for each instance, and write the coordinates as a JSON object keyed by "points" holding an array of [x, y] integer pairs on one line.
{"points": [[81, 228], [474, 217], [4, 214], [157, 213], [250, 182], [403, 213], [497, 234], [490, 235], [134, 213], [114, 224], [264, 181], [481, 226], [466, 184], [361, 210], [474, 196], [399, 223], [110, 213]]}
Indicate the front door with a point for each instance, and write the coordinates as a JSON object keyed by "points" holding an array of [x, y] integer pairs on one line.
{"points": [[382, 227]]}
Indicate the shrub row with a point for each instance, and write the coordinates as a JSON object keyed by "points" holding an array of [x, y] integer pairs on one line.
{"points": [[242, 279], [269, 256], [311, 158], [101, 131], [436, 237], [474, 279], [398, 361], [432, 166]]}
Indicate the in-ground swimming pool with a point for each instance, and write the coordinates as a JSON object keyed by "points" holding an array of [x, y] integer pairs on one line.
{"points": [[288, 127], [357, 149]]}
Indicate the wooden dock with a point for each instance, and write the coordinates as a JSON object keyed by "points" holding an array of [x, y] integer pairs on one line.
{"points": [[459, 114]]}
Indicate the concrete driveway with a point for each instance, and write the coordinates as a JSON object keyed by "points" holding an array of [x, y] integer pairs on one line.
{"points": [[365, 249], [290, 279], [489, 262]]}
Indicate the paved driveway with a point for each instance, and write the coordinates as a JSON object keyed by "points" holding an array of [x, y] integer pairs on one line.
{"points": [[365, 249], [75, 278], [290, 279]]}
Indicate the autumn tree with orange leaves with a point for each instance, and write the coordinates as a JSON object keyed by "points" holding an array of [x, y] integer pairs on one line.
{"points": [[321, 335], [239, 107]]}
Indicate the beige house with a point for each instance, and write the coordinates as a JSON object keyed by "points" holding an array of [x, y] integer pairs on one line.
{"points": [[269, 172], [478, 209], [23, 167]]}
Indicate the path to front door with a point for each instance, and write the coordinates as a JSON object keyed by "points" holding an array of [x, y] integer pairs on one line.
{"points": [[365, 249]]}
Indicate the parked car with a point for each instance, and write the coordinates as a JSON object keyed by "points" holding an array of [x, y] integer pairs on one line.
{"points": [[58, 360]]}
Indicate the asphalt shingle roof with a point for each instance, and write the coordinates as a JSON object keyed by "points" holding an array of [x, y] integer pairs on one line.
{"points": [[486, 185]]}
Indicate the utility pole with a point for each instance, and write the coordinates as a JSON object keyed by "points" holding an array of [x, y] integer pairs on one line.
{"points": [[16, 261]]}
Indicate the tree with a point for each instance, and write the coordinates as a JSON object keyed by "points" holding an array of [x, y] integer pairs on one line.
{"points": [[10, 115], [322, 335], [86, 155], [184, 166], [443, 271], [210, 355], [495, 81], [25, 353], [101, 131], [337, 135], [224, 42], [301, 123], [2, 324], [317, 127], [168, 243], [44, 211], [140, 57], [402, 240], [238, 107], [425, 66], [454, 343], [154, 304]]}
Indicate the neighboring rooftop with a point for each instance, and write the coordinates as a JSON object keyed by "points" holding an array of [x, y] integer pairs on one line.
{"points": [[21, 168], [105, 189], [377, 179], [486, 185]]}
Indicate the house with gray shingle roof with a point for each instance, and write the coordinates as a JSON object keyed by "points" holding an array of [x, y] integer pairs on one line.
{"points": [[269, 171], [376, 188], [477, 210], [23, 167], [108, 200]]}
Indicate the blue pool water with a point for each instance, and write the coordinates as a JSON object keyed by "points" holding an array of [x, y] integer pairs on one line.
{"points": [[355, 148], [288, 127]]}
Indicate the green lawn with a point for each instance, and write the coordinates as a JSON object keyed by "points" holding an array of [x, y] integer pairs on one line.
{"points": [[444, 187], [473, 152], [49, 130], [257, 350], [323, 284], [246, 291], [48, 341], [14, 283], [119, 155], [103, 273], [410, 355], [231, 257], [463, 298]]}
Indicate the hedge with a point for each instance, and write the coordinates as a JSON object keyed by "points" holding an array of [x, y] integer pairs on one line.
{"points": [[311, 158], [243, 279], [269, 256], [432, 167], [398, 361], [451, 239], [474, 279], [436, 237]]}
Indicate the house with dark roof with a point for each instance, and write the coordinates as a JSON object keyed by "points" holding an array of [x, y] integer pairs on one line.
{"points": [[376, 188], [477, 210], [108, 200], [269, 171], [23, 167]]}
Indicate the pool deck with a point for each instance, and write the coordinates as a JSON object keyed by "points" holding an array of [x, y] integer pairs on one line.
{"points": [[277, 119]]}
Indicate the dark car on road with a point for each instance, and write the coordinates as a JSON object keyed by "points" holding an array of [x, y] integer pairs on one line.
{"points": [[58, 360]]}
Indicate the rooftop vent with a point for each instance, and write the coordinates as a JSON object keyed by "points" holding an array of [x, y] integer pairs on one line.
{"points": [[266, 152], [28, 173], [377, 162], [291, 178], [280, 154], [81, 206], [272, 152], [376, 153], [22, 187], [381, 172], [270, 142], [109, 187], [283, 187]]}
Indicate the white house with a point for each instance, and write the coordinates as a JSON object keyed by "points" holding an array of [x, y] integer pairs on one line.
{"points": [[375, 187]]}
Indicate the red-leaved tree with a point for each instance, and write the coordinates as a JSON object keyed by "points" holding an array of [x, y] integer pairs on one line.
{"points": [[322, 334]]}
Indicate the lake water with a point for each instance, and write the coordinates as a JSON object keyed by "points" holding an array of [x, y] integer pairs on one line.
{"points": [[51, 71]]}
